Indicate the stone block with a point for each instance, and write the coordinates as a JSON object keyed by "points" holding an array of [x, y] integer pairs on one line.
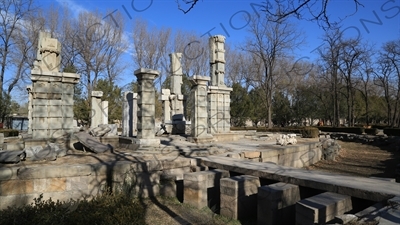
{"points": [[16, 187], [276, 203], [49, 185], [68, 111], [251, 154], [201, 189], [67, 100], [77, 183], [37, 102], [322, 208], [239, 196], [55, 111], [97, 94], [68, 88], [55, 123]]}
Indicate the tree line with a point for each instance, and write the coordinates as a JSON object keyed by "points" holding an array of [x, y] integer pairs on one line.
{"points": [[351, 80]]}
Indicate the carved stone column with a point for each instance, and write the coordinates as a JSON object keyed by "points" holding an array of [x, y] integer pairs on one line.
{"points": [[199, 116], [146, 107]]}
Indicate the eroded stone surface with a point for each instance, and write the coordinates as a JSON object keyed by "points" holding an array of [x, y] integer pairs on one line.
{"points": [[92, 143]]}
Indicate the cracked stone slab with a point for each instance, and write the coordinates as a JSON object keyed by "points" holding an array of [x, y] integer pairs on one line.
{"points": [[92, 143]]}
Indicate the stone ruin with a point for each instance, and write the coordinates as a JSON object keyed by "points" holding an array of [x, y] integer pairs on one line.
{"points": [[173, 101], [51, 95], [210, 97]]}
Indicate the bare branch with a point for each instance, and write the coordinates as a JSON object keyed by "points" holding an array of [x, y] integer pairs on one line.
{"points": [[191, 4]]}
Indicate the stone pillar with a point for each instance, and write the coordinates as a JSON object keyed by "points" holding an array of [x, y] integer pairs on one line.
{"points": [[199, 110], [201, 189], [176, 73], [104, 110], [176, 97], [129, 114], [97, 110], [219, 94], [52, 92], [30, 98], [217, 60], [166, 104], [146, 107], [239, 196], [276, 204]]}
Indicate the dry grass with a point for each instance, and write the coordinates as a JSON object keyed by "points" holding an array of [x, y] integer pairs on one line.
{"points": [[362, 160]]}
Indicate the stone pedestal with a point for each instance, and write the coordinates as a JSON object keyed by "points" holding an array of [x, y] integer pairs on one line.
{"points": [[239, 196], [97, 109], [129, 114], [52, 103], [276, 204], [199, 110], [219, 109], [146, 107]]}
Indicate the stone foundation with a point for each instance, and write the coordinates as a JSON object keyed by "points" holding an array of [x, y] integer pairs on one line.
{"points": [[19, 185]]}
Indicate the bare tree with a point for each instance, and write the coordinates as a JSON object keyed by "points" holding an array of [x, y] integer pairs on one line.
{"points": [[389, 67], [12, 15], [195, 52], [312, 10], [278, 10], [270, 42], [383, 77], [151, 47], [366, 89], [330, 60], [25, 39], [96, 47], [353, 53]]}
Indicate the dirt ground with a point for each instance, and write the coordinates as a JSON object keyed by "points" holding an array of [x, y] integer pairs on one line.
{"points": [[366, 160]]}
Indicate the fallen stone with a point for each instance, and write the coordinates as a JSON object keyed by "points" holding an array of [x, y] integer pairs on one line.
{"points": [[12, 156], [286, 139], [345, 218], [50, 152], [47, 153], [32, 151], [99, 131], [113, 129], [92, 143]]}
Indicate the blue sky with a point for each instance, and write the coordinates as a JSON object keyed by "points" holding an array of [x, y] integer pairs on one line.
{"points": [[377, 21]]}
